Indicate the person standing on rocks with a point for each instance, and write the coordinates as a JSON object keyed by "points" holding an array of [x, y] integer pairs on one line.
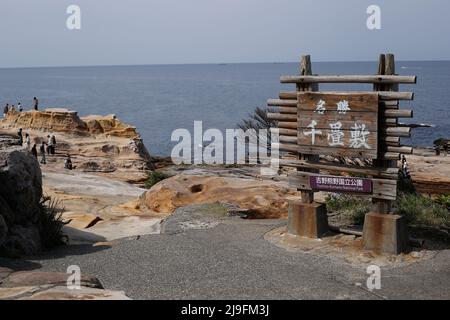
{"points": [[27, 140], [20, 137], [42, 150], [53, 144], [19, 106], [36, 103], [68, 163], [34, 151], [6, 110]]}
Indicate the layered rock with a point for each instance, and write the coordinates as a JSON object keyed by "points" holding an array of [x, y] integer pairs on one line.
{"points": [[67, 121], [99, 144], [35, 285], [430, 173], [20, 195], [266, 199]]}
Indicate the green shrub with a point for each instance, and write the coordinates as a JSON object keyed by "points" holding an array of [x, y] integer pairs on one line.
{"points": [[352, 208], [444, 200], [422, 211], [153, 177], [51, 223]]}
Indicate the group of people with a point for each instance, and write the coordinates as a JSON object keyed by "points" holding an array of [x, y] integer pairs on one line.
{"points": [[45, 148], [12, 108]]}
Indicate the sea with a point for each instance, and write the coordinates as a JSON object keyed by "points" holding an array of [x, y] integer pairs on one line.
{"points": [[158, 99]]}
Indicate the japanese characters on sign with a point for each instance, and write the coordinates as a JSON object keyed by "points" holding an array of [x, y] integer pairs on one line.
{"points": [[338, 123], [341, 184]]}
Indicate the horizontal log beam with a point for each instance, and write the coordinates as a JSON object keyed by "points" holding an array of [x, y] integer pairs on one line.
{"points": [[378, 79], [281, 103], [285, 132], [400, 149], [293, 147], [289, 139], [398, 113], [390, 173], [282, 117], [384, 95], [404, 132], [288, 125], [391, 115]]}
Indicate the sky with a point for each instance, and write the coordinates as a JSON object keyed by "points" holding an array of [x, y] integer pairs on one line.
{"points": [[133, 32]]}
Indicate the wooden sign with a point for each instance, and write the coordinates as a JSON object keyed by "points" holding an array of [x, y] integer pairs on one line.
{"points": [[380, 188], [341, 184], [344, 124]]}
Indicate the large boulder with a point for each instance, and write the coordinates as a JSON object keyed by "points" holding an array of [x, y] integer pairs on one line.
{"points": [[20, 195], [21, 187], [266, 199]]}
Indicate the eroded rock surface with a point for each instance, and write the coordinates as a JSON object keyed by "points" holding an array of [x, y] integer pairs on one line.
{"points": [[265, 198], [97, 144], [35, 285]]}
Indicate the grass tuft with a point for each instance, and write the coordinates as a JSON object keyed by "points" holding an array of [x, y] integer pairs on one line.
{"points": [[154, 177], [51, 223]]}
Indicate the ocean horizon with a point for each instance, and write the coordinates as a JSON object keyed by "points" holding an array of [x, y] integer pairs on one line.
{"points": [[158, 99]]}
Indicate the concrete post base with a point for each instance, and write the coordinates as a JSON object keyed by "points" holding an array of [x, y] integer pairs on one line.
{"points": [[385, 233], [307, 219]]}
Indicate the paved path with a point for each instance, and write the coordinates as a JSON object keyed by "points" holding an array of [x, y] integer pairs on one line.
{"points": [[232, 260]]}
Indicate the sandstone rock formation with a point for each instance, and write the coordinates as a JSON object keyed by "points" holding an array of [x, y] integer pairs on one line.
{"points": [[430, 173], [34, 285], [67, 121], [98, 144], [20, 194], [266, 199]]}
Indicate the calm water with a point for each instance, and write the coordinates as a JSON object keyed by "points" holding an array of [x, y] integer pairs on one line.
{"points": [[159, 99]]}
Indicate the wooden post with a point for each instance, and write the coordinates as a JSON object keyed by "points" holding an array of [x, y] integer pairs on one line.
{"points": [[384, 231], [306, 218], [306, 70], [386, 66]]}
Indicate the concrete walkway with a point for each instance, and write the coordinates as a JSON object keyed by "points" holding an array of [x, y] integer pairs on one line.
{"points": [[232, 260]]}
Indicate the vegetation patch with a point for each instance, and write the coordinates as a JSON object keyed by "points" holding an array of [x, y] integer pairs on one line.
{"points": [[154, 177], [351, 209], [51, 223], [418, 210]]}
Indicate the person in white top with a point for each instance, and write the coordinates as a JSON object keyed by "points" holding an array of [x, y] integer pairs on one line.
{"points": [[27, 140]]}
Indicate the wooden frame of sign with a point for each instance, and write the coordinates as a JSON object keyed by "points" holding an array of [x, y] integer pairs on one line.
{"points": [[358, 124]]}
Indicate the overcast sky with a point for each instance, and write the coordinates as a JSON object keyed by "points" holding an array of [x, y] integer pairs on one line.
{"points": [[115, 32]]}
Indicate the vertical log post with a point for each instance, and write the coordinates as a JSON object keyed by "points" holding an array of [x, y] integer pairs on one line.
{"points": [[306, 70], [384, 231], [306, 218]]}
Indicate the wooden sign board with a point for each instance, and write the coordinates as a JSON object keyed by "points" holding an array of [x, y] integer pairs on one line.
{"points": [[344, 124], [341, 184], [378, 188]]}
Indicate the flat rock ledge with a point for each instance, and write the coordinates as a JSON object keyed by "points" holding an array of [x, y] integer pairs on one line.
{"points": [[33, 285]]}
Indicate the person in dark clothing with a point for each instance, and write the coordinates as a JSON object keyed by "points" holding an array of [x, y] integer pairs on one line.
{"points": [[68, 163], [36, 103], [6, 110], [20, 136], [42, 150], [53, 139], [34, 151]]}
